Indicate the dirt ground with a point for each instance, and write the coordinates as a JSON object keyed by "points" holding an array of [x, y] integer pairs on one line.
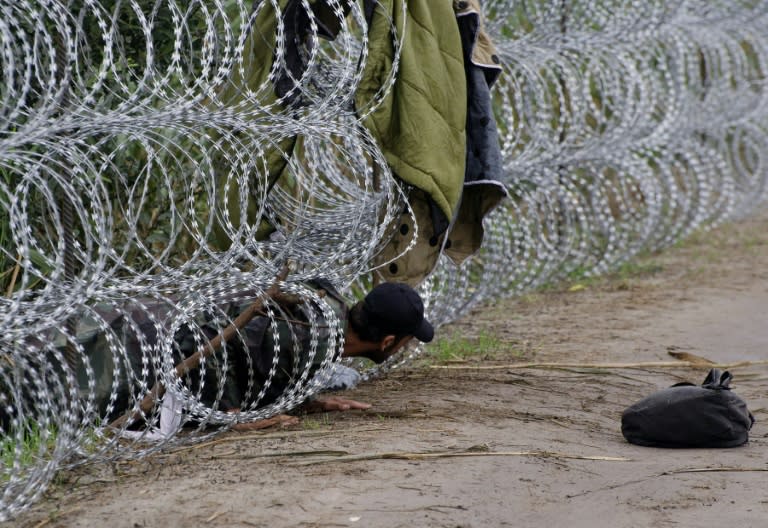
{"points": [[510, 446]]}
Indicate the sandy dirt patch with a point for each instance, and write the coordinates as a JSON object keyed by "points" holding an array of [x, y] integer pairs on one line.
{"points": [[531, 447]]}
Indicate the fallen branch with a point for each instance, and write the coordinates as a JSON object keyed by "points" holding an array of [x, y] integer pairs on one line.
{"points": [[456, 454], [206, 350]]}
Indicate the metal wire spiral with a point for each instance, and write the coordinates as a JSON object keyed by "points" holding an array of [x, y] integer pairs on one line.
{"points": [[149, 171], [624, 128]]}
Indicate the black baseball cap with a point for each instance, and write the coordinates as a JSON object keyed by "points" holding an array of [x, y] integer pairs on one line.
{"points": [[396, 309]]}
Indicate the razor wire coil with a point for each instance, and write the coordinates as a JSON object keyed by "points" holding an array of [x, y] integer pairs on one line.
{"points": [[139, 194]]}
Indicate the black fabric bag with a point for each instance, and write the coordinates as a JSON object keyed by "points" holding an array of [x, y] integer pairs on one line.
{"points": [[686, 415]]}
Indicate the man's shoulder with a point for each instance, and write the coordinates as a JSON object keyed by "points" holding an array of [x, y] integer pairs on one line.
{"points": [[331, 296]]}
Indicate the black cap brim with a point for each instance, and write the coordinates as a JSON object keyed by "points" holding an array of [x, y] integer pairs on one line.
{"points": [[425, 332]]}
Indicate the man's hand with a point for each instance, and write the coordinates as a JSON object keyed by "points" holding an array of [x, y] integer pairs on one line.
{"points": [[334, 403], [281, 420]]}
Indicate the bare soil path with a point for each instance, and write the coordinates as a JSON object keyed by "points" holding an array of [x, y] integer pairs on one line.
{"points": [[533, 447]]}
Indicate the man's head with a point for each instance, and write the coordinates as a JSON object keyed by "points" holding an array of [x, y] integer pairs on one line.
{"points": [[389, 316]]}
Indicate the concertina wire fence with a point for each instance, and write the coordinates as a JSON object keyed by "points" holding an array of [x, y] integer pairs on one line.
{"points": [[129, 129]]}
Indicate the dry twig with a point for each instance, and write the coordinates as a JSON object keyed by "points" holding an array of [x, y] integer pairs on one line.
{"points": [[691, 358], [55, 516], [14, 276], [713, 470], [319, 452], [214, 516], [455, 454], [267, 436]]}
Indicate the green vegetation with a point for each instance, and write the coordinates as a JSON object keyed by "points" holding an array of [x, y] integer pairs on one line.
{"points": [[316, 421], [7, 261], [151, 181], [636, 268], [582, 277], [456, 347], [36, 442]]}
